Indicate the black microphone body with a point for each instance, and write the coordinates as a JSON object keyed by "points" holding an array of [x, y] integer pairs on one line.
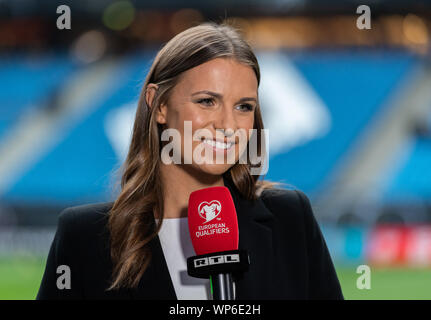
{"points": [[219, 267], [222, 285]]}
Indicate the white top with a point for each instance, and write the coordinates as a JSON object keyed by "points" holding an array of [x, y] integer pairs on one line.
{"points": [[177, 247]]}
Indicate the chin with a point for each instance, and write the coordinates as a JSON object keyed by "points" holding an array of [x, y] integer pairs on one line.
{"points": [[214, 169]]}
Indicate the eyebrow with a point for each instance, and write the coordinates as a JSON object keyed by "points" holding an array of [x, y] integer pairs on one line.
{"points": [[220, 96]]}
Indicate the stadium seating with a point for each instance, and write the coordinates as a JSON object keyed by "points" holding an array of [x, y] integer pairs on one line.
{"points": [[27, 81]]}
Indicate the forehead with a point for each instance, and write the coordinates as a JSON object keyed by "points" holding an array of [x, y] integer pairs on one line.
{"points": [[223, 75]]}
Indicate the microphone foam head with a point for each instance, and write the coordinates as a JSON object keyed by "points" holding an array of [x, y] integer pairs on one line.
{"points": [[212, 219]]}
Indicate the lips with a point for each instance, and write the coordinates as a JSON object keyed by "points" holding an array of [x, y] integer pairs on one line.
{"points": [[218, 144]]}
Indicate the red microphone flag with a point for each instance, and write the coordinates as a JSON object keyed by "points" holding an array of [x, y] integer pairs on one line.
{"points": [[213, 223]]}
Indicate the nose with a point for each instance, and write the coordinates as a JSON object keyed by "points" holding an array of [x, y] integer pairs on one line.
{"points": [[226, 121]]}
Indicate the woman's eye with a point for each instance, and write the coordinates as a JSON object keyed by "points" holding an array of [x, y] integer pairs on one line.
{"points": [[210, 101], [246, 107], [206, 101]]}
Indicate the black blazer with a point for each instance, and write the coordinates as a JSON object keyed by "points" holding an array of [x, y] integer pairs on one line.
{"points": [[289, 258]]}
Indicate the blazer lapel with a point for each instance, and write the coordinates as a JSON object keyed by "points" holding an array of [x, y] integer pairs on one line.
{"points": [[156, 282], [255, 223]]}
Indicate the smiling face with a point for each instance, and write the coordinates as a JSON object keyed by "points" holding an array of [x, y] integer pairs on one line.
{"points": [[219, 97]]}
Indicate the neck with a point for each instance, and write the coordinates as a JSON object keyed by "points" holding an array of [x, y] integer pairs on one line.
{"points": [[179, 181]]}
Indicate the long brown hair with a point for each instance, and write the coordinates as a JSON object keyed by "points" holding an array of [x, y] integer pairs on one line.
{"points": [[131, 221]]}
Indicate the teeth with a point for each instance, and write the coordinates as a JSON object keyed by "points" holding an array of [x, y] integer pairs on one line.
{"points": [[217, 144]]}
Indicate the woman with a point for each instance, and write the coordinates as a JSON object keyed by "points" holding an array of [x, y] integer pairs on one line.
{"points": [[136, 247]]}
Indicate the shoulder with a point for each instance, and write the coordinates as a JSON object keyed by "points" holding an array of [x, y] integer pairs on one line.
{"points": [[286, 199], [84, 218], [290, 206]]}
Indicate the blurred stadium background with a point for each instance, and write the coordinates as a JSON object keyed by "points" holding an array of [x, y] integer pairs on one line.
{"points": [[348, 113]]}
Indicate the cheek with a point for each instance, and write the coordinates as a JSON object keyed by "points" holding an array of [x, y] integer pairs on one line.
{"points": [[198, 118], [196, 126], [187, 121], [174, 120], [187, 113], [247, 125]]}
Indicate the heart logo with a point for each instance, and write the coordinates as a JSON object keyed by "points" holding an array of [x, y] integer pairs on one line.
{"points": [[209, 211]]}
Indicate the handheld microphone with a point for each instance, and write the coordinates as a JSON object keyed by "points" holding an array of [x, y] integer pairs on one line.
{"points": [[213, 227]]}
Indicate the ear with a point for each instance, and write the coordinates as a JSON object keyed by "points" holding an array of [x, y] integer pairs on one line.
{"points": [[149, 97], [162, 113]]}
